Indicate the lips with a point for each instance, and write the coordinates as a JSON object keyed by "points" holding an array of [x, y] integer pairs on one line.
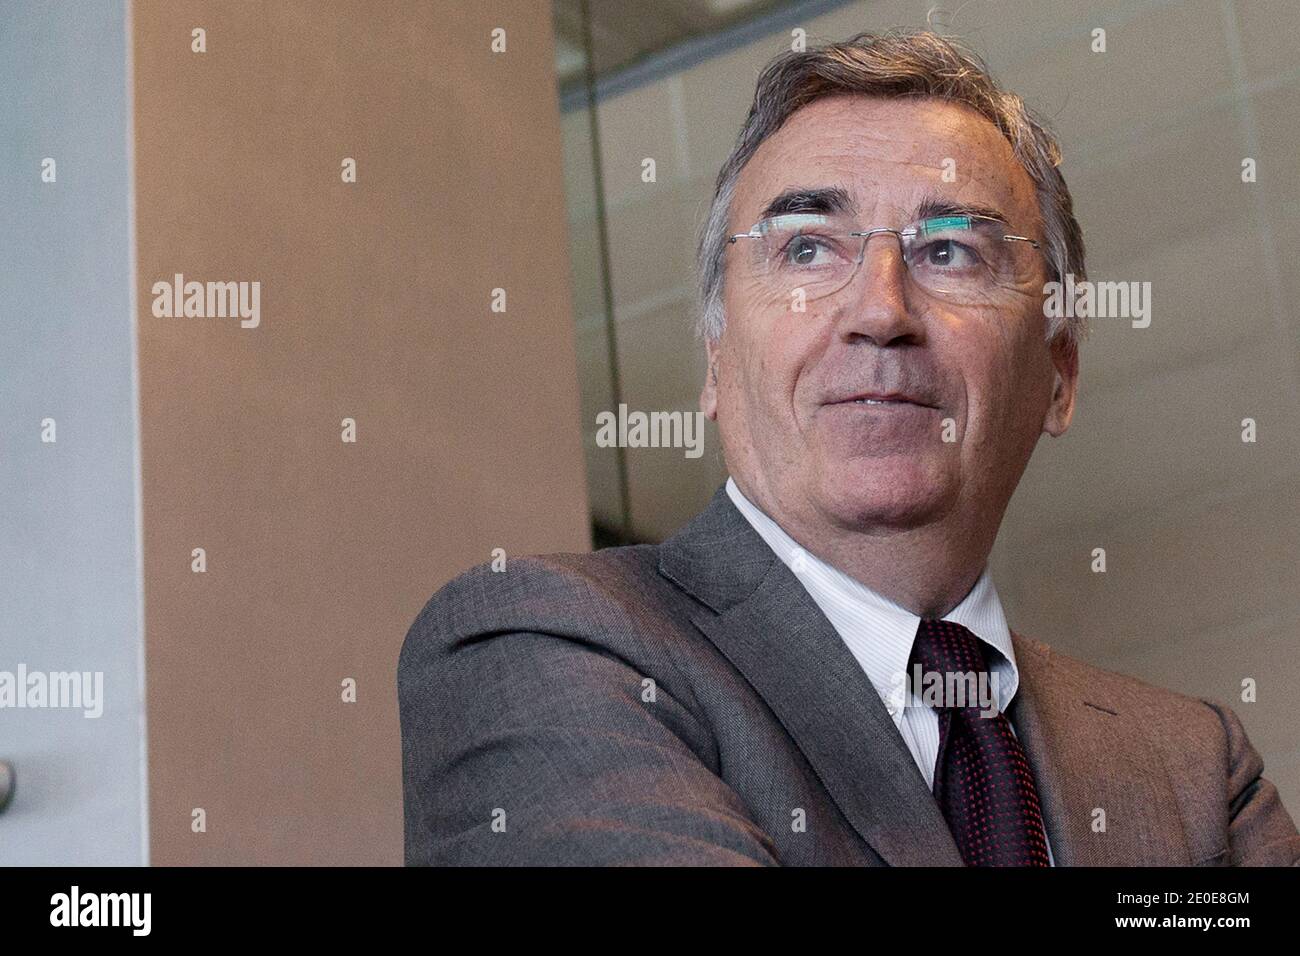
{"points": [[882, 399]]}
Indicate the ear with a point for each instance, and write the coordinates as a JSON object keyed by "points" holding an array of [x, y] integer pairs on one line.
{"points": [[709, 393], [1060, 411]]}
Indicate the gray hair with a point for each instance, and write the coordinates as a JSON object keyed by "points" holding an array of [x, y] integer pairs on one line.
{"points": [[894, 64]]}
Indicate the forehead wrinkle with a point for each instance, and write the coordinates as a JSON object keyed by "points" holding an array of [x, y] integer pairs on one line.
{"points": [[925, 132], [868, 193]]}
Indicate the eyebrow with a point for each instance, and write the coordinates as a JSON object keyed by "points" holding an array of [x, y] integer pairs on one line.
{"points": [[835, 199], [935, 206], [827, 199]]}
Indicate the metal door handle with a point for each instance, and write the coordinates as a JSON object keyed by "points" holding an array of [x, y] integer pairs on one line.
{"points": [[7, 780]]}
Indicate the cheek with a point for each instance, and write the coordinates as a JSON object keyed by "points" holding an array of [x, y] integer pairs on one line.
{"points": [[773, 355], [1001, 372]]}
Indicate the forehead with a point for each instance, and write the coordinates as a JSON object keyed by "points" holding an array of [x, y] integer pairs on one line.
{"points": [[889, 155]]}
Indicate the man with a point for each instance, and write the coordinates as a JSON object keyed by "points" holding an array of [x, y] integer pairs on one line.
{"points": [[757, 690]]}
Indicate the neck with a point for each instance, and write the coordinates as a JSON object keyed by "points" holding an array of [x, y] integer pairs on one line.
{"points": [[927, 569]]}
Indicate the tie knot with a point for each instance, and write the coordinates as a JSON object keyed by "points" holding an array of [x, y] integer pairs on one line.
{"points": [[951, 651]]}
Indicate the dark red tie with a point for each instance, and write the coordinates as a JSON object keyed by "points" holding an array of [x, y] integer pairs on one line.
{"points": [[982, 778]]}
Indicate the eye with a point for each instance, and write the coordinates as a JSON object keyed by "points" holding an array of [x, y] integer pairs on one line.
{"points": [[802, 250], [949, 254]]}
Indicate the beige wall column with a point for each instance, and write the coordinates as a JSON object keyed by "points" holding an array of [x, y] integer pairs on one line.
{"points": [[374, 304]]}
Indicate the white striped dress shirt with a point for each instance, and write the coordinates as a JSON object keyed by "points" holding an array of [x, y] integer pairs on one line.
{"points": [[879, 633]]}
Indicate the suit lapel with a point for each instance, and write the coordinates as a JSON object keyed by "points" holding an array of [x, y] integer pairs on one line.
{"points": [[1089, 753], [764, 621]]}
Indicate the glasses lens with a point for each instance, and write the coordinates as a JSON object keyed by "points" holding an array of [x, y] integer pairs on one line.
{"points": [[969, 258], [812, 253]]}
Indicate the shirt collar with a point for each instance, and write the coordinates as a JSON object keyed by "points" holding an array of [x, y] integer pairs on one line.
{"points": [[877, 631]]}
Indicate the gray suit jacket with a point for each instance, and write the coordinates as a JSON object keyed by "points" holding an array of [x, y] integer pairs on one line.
{"points": [[689, 703]]}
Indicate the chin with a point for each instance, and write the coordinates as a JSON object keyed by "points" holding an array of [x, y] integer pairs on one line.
{"points": [[893, 491]]}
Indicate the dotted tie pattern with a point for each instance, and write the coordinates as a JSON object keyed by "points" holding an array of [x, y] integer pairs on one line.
{"points": [[982, 778]]}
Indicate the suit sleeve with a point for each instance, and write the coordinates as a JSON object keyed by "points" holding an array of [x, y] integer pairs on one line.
{"points": [[541, 743], [1260, 831]]}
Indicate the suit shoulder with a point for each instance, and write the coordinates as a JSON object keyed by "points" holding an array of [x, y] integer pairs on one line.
{"points": [[567, 594], [1159, 706]]}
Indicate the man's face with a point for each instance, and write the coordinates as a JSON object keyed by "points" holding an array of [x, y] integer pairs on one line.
{"points": [[967, 389]]}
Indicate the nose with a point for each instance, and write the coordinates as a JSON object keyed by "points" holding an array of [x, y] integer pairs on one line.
{"points": [[875, 305]]}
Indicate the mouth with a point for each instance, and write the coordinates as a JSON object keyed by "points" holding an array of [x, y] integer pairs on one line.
{"points": [[882, 399]]}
